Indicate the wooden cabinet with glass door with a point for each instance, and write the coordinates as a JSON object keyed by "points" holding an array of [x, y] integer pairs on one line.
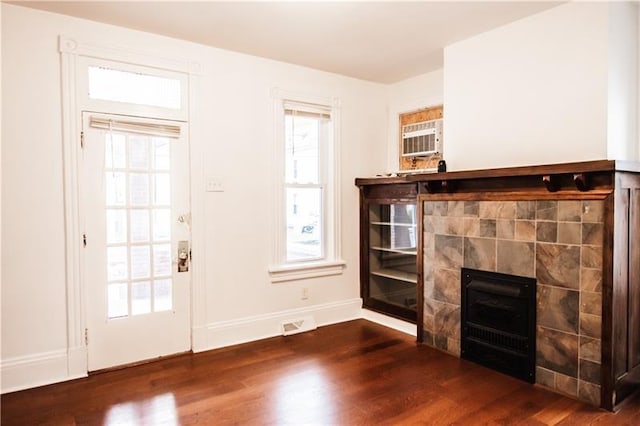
{"points": [[389, 238]]}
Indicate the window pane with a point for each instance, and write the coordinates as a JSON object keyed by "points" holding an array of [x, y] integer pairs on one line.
{"points": [[117, 300], [161, 153], [115, 151], [161, 224], [304, 223], [139, 189], [140, 298], [138, 152], [140, 262], [116, 226], [161, 259], [162, 193], [136, 88], [117, 263], [115, 188], [302, 149], [139, 225], [162, 295]]}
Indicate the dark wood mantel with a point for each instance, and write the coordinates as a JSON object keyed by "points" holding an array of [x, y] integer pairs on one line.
{"points": [[617, 183], [580, 177]]}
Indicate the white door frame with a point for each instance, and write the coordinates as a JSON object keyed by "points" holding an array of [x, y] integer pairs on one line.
{"points": [[71, 51]]}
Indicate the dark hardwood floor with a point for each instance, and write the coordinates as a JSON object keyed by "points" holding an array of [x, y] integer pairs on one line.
{"points": [[355, 373]]}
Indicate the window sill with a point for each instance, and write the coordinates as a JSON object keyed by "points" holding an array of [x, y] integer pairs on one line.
{"points": [[303, 271]]}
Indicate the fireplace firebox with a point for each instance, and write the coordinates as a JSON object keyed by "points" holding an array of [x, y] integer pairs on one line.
{"points": [[498, 321]]}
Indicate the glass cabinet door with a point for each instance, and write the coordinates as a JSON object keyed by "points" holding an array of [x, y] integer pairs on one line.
{"points": [[392, 257]]}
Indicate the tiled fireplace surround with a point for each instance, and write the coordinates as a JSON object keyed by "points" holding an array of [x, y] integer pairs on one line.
{"points": [[557, 242]]}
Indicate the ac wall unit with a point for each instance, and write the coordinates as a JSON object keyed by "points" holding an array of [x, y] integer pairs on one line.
{"points": [[422, 139]]}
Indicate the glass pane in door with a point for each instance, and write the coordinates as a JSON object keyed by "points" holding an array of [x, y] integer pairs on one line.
{"points": [[138, 225]]}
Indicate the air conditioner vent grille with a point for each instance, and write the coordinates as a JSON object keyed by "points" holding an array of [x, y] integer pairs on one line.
{"points": [[422, 139]]}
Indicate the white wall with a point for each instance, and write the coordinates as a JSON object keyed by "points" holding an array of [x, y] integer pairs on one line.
{"points": [[232, 127], [423, 91], [622, 124], [531, 92]]}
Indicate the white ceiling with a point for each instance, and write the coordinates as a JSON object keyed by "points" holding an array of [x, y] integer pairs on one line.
{"points": [[371, 40]]}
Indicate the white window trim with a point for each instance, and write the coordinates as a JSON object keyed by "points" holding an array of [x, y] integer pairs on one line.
{"points": [[114, 107], [332, 263]]}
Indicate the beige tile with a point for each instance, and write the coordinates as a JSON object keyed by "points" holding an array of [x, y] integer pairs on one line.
{"points": [[525, 230], [427, 208], [488, 210], [471, 227], [569, 233], [448, 251], [593, 211], [446, 286], [453, 347], [557, 308], [591, 303], [545, 377], [590, 349], [480, 253], [558, 265], [589, 371], [455, 208], [505, 229], [569, 211], [427, 338], [591, 325], [447, 320], [506, 210], [591, 280], [547, 210], [526, 210], [454, 226], [546, 231], [589, 392], [516, 258], [593, 234], [440, 208], [567, 385], [557, 351], [487, 228], [471, 208], [592, 257]]}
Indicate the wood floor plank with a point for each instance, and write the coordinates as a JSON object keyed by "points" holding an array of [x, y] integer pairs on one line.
{"points": [[354, 373]]}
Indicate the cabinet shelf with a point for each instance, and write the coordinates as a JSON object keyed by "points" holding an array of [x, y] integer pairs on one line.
{"points": [[408, 250], [388, 251], [396, 274]]}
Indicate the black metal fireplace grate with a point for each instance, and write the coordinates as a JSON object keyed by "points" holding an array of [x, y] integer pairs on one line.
{"points": [[498, 320]]}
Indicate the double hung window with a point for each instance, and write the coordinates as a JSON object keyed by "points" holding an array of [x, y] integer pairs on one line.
{"points": [[307, 133], [308, 212]]}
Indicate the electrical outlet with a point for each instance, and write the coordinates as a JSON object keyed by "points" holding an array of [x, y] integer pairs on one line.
{"points": [[305, 293]]}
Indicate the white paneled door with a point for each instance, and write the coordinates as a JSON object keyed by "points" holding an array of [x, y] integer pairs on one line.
{"points": [[135, 208]]}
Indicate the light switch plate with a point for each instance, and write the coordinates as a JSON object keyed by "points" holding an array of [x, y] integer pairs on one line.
{"points": [[215, 184]]}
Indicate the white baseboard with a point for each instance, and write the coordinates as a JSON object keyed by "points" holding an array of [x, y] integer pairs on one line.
{"points": [[77, 362], [42, 369], [396, 324], [56, 366], [227, 333]]}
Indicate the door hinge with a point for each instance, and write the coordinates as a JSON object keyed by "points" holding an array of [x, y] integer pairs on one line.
{"points": [[84, 240], [86, 336], [81, 139]]}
